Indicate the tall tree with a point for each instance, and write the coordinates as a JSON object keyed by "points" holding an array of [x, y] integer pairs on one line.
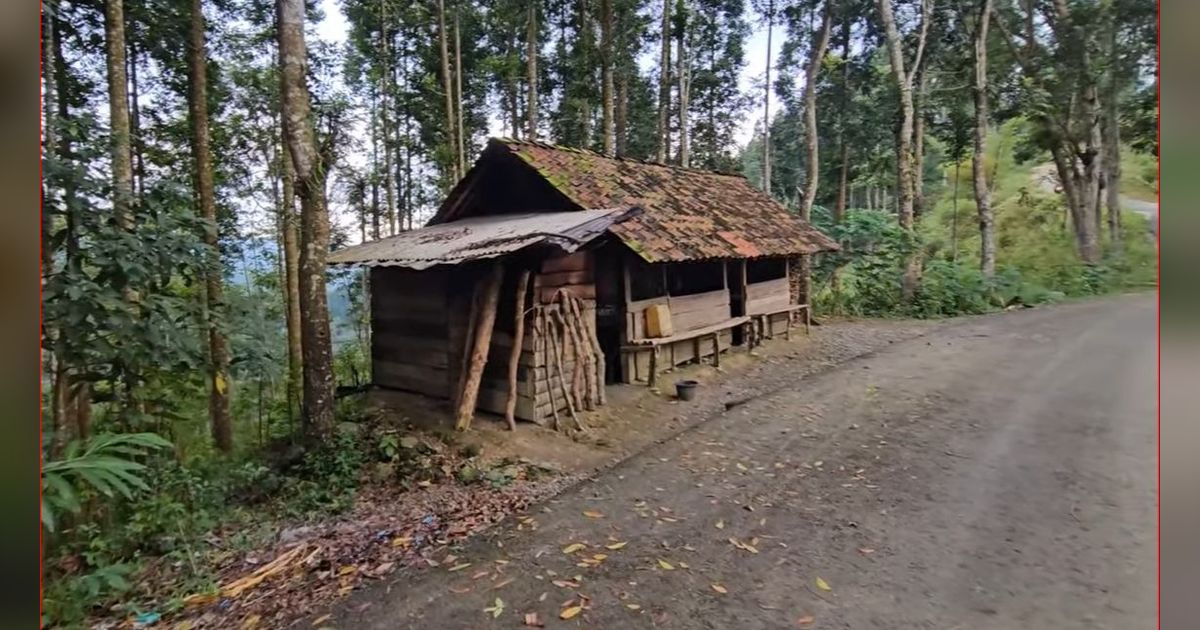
{"points": [[289, 237], [904, 143], [682, 18], [839, 207], [766, 142], [815, 58], [218, 346], [314, 218], [448, 89], [607, 125], [118, 110], [983, 202], [664, 84], [531, 70]]}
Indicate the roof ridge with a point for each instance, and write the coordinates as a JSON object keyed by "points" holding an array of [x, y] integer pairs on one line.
{"points": [[558, 147]]}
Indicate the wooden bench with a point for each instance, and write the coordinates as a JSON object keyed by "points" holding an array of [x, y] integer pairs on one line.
{"points": [[759, 322], [697, 336]]}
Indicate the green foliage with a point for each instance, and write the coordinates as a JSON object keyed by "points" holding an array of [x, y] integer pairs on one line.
{"points": [[103, 464]]}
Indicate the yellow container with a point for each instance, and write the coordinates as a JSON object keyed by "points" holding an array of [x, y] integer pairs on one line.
{"points": [[658, 321]]}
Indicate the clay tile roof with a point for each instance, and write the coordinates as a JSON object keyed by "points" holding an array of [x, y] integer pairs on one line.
{"points": [[689, 213]]}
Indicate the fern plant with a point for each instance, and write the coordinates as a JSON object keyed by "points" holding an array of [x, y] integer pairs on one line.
{"points": [[105, 463]]}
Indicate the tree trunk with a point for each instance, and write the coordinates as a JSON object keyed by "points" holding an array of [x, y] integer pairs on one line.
{"points": [[531, 78], [385, 90], [118, 107], [682, 71], [987, 232], [479, 352], [218, 346], [839, 208], [766, 152], [921, 87], [137, 142], [904, 152], [291, 284], [585, 46], [447, 89], [812, 177], [1112, 167], [461, 155], [314, 220], [817, 54], [664, 85], [606, 72], [622, 114]]}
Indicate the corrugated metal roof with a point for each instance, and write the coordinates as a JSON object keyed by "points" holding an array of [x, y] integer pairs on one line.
{"points": [[481, 237]]}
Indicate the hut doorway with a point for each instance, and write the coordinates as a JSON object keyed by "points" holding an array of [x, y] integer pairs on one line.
{"points": [[610, 312]]}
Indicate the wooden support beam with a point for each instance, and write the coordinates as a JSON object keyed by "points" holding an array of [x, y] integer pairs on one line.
{"points": [[652, 379], [479, 352], [514, 357], [716, 349]]}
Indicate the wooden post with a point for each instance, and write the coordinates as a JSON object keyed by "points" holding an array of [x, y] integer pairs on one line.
{"points": [[716, 339], [696, 349], [807, 318], [483, 339], [651, 381], [545, 346], [514, 357]]}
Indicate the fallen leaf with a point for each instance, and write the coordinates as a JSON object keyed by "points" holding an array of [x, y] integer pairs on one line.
{"points": [[866, 551], [684, 565], [570, 612], [667, 566], [252, 622], [615, 546], [543, 596], [572, 548], [720, 589], [322, 619], [565, 584], [496, 609], [531, 619], [504, 583], [459, 567], [347, 570], [805, 620], [460, 590], [593, 514], [823, 585], [633, 607], [477, 574], [721, 524]]}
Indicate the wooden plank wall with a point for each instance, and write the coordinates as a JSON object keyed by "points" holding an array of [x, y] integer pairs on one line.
{"points": [[409, 332]]}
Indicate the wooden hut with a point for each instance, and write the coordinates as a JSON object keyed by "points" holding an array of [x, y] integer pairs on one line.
{"points": [[549, 272]]}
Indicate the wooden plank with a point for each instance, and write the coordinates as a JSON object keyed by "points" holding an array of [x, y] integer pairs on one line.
{"points": [[697, 302], [695, 320], [772, 305], [403, 301], [413, 378], [766, 289], [563, 278], [577, 261]]}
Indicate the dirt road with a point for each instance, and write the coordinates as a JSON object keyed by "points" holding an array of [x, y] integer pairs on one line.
{"points": [[996, 473]]}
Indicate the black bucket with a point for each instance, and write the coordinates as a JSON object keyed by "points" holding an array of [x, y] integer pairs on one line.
{"points": [[686, 390]]}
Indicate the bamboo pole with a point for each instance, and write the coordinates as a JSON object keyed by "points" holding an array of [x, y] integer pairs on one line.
{"points": [[514, 358], [483, 340], [570, 343]]}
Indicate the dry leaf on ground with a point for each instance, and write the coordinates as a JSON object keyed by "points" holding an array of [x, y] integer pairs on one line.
{"points": [[720, 589], [823, 585], [570, 612]]}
